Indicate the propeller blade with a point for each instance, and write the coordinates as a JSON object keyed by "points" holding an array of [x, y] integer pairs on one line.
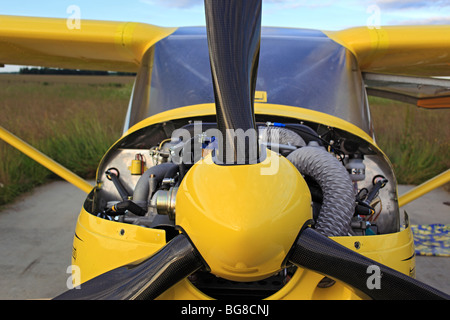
{"points": [[319, 253], [144, 280], [234, 32]]}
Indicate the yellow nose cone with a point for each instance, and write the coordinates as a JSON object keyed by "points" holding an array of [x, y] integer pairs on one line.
{"points": [[243, 219]]}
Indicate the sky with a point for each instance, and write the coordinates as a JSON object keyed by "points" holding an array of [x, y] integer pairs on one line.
{"points": [[319, 14]]}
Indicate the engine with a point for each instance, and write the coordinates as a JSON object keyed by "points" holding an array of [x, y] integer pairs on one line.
{"points": [[353, 189], [346, 177]]}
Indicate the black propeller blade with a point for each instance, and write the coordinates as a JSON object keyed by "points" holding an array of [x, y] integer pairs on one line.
{"points": [[233, 28], [319, 253], [234, 32], [144, 280]]}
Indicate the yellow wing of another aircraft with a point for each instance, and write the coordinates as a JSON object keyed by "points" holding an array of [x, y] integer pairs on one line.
{"points": [[96, 45]]}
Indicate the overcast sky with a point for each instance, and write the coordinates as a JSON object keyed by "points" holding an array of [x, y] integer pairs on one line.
{"points": [[319, 14]]}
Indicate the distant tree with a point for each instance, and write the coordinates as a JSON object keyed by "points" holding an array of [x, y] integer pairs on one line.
{"points": [[51, 71]]}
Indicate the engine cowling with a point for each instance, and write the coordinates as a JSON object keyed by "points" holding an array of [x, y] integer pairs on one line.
{"points": [[243, 219]]}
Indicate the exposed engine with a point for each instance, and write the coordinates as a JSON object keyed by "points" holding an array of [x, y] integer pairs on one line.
{"points": [[346, 196], [348, 180]]}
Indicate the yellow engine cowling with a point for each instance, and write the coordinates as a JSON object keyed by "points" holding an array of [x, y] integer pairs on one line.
{"points": [[243, 219]]}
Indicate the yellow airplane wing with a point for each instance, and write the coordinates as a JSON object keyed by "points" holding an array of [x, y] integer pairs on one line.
{"points": [[95, 45], [402, 62], [404, 50], [424, 92]]}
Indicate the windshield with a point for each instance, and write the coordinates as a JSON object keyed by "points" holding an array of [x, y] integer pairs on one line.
{"points": [[297, 67]]}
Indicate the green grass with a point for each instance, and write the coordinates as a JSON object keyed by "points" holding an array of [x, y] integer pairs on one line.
{"points": [[416, 140], [74, 120]]}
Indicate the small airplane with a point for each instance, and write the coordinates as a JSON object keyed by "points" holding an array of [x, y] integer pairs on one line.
{"points": [[248, 166]]}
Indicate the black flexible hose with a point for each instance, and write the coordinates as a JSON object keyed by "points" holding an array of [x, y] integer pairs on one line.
{"points": [[172, 172], [199, 127], [307, 133], [121, 207], [113, 175]]}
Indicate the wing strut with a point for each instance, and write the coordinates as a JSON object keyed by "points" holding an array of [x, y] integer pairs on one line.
{"points": [[425, 187], [44, 160]]}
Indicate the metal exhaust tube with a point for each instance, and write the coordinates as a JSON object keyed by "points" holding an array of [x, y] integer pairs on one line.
{"points": [[338, 197], [142, 190]]}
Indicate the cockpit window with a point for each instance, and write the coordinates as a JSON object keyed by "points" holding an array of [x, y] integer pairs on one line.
{"points": [[297, 67]]}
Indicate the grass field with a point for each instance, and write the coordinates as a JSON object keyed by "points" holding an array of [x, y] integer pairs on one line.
{"points": [[416, 140], [74, 119]]}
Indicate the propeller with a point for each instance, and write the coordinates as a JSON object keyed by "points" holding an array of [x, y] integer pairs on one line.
{"points": [[178, 259], [316, 252], [234, 28], [234, 32], [144, 280]]}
